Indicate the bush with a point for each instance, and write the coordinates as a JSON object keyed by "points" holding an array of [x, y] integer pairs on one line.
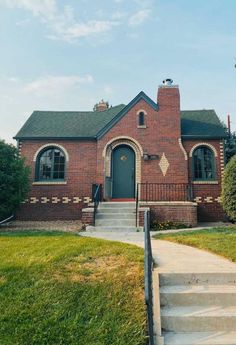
{"points": [[229, 189], [14, 180], [167, 225]]}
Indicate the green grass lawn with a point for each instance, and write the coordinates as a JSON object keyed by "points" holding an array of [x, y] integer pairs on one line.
{"points": [[220, 240], [58, 288]]}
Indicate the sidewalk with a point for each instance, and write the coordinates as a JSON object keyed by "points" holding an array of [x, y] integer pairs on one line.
{"points": [[171, 257]]}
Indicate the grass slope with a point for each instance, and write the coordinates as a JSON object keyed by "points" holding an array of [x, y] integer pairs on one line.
{"points": [[220, 240], [58, 288]]}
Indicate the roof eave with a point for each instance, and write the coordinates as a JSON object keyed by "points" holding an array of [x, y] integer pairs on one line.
{"points": [[54, 138], [184, 136]]}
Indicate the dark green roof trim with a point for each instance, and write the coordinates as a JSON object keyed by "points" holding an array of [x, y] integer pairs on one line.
{"points": [[141, 96], [210, 137], [56, 138]]}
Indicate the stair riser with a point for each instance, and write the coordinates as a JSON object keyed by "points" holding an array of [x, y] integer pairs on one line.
{"points": [[115, 211], [197, 279], [115, 206], [115, 222], [198, 338], [198, 324], [115, 216], [188, 299]]}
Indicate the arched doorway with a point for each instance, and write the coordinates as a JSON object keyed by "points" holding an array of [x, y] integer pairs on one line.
{"points": [[123, 172]]}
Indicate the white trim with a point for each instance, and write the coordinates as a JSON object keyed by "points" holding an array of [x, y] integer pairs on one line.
{"points": [[203, 144], [122, 137], [183, 149], [49, 145], [205, 182], [141, 111], [168, 203]]}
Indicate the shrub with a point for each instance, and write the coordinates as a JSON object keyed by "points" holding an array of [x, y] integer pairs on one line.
{"points": [[167, 225], [14, 180], [229, 189]]}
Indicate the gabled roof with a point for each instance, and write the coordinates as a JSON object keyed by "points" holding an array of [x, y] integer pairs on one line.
{"points": [[201, 124], [66, 124], [93, 125]]}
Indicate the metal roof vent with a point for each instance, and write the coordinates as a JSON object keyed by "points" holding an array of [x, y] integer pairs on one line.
{"points": [[168, 82]]}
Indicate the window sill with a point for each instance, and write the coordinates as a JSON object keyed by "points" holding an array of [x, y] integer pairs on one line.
{"points": [[205, 182], [43, 183], [143, 126]]}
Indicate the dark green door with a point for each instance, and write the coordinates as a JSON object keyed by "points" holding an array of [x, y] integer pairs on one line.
{"points": [[123, 172]]}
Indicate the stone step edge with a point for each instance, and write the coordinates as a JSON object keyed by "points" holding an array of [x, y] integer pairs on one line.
{"points": [[200, 338]]}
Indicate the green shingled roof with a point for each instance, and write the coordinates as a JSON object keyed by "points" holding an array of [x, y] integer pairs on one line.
{"points": [[87, 125], [201, 124], [66, 124]]}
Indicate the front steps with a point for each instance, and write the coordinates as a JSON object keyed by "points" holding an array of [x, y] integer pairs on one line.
{"points": [[198, 309], [116, 216]]}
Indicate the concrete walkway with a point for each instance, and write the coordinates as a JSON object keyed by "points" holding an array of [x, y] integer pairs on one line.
{"points": [[171, 257], [194, 292]]}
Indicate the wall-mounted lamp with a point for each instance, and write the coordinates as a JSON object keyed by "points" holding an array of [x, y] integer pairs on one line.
{"points": [[147, 157]]}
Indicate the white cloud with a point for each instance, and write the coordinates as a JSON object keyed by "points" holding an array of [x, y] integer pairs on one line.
{"points": [[108, 89], [139, 17], [62, 22], [54, 85]]}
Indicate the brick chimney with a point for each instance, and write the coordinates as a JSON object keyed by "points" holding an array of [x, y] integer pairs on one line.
{"points": [[168, 99], [101, 106]]}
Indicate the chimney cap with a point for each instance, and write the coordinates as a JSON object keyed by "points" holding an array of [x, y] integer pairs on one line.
{"points": [[168, 82]]}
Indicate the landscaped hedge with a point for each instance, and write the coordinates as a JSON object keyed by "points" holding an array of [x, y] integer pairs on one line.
{"points": [[14, 176], [229, 189]]}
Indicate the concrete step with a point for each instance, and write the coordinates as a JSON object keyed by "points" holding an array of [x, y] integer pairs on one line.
{"points": [[187, 295], [116, 210], [217, 278], [115, 228], [117, 204], [116, 222], [199, 319], [104, 215], [200, 338]]}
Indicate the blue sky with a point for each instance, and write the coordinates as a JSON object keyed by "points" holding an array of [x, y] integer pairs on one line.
{"points": [[68, 55]]}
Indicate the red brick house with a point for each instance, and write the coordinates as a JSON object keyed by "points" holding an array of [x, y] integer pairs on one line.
{"points": [[170, 160]]}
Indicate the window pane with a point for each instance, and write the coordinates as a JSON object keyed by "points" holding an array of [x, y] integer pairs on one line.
{"points": [[141, 119], [51, 165], [203, 164]]}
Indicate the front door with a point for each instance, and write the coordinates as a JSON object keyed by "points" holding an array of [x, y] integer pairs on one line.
{"points": [[123, 172]]}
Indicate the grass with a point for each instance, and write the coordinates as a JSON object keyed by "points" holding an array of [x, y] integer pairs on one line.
{"points": [[221, 240], [58, 288]]}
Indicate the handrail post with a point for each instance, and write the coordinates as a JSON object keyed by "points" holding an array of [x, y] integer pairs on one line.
{"points": [[148, 267], [137, 204]]}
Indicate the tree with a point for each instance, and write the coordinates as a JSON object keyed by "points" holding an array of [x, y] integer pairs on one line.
{"points": [[14, 180], [229, 189]]}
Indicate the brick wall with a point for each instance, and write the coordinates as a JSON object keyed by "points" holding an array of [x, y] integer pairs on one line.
{"points": [[207, 195], [61, 201], [181, 213]]}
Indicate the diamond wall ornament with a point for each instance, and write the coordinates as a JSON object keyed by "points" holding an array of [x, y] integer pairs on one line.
{"points": [[164, 164]]}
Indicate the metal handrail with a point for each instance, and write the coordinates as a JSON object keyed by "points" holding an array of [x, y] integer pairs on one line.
{"points": [[6, 220], [165, 191], [96, 200], [148, 268], [137, 204]]}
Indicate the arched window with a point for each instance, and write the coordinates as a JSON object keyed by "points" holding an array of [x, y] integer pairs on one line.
{"points": [[203, 164], [141, 118], [50, 165]]}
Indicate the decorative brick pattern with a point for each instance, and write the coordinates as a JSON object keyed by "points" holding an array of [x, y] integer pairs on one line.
{"points": [[164, 164]]}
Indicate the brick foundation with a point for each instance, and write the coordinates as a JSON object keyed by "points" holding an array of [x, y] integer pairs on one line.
{"points": [[178, 212], [87, 216]]}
